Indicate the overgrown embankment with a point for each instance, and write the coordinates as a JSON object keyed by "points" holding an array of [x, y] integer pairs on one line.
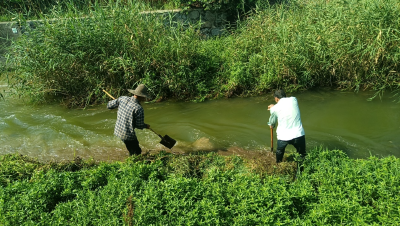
{"points": [[34, 9], [200, 189], [297, 45]]}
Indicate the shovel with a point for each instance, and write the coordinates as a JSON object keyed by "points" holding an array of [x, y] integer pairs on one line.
{"points": [[167, 141]]}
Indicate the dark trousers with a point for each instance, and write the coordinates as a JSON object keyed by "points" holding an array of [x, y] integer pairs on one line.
{"points": [[299, 143], [133, 146]]}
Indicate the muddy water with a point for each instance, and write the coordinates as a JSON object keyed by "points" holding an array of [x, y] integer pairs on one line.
{"points": [[342, 120]]}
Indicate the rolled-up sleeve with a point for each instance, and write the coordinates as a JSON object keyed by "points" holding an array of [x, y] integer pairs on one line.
{"points": [[272, 119], [113, 104]]}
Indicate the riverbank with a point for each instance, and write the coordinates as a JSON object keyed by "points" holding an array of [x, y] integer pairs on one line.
{"points": [[37, 9], [298, 46], [199, 189]]}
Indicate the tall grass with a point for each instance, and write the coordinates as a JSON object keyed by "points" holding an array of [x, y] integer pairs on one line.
{"points": [[14, 10], [114, 49], [344, 44], [199, 190], [297, 45]]}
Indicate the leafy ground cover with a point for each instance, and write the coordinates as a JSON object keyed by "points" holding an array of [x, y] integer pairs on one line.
{"points": [[200, 189]]}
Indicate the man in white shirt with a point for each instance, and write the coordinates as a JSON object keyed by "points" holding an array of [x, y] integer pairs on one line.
{"points": [[290, 130]]}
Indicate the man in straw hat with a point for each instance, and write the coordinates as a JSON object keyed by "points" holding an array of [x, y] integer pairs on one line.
{"points": [[130, 115], [290, 130]]}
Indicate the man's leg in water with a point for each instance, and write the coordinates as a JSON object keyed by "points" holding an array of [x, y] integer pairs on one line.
{"points": [[133, 147], [300, 144], [280, 151]]}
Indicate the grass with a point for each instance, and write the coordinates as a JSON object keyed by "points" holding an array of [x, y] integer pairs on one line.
{"points": [[199, 189], [15, 10], [299, 45]]}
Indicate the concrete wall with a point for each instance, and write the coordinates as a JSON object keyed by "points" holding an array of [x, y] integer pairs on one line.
{"points": [[8, 31], [213, 23]]}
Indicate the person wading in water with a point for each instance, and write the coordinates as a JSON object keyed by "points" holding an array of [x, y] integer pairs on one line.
{"points": [[290, 130], [130, 115]]}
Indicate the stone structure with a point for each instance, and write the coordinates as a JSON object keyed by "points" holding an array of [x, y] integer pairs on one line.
{"points": [[8, 31], [212, 23]]}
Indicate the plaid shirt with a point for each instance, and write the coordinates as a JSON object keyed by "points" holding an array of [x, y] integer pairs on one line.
{"points": [[130, 116]]}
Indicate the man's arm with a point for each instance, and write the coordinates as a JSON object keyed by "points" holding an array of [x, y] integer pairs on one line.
{"points": [[139, 122], [270, 106], [272, 119], [113, 104]]}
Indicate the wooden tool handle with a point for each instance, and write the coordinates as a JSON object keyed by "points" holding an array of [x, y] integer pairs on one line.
{"points": [[272, 139], [156, 133], [108, 94]]}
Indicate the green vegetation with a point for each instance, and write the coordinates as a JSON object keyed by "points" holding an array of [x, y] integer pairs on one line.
{"points": [[199, 189], [33, 9], [297, 45], [13, 10], [234, 9]]}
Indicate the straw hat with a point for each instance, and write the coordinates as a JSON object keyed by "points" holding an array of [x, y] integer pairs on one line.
{"points": [[141, 91]]}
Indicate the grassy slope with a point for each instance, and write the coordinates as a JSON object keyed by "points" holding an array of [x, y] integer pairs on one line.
{"points": [[301, 45], [31, 10]]}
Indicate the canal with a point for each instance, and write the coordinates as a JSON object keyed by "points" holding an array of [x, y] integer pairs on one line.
{"points": [[333, 119]]}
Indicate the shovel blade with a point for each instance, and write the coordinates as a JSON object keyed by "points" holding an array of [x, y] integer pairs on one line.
{"points": [[168, 141]]}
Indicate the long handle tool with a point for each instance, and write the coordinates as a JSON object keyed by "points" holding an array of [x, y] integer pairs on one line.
{"points": [[272, 139], [108, 94], [166, 140]]}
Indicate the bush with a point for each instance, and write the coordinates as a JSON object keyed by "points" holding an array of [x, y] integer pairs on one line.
{"points": [[233, 8]]}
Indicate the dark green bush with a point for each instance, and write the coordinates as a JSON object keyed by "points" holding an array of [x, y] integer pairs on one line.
{"points": [[233, 8]]}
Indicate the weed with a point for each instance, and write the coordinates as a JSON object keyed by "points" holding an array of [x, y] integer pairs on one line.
{"points": [[131, 211]]}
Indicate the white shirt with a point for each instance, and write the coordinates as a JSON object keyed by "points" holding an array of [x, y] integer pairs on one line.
{"points": [[287, 112]]}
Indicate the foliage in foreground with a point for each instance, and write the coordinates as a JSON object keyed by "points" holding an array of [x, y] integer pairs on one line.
{"points": [[199, 190], [297, 45]]}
